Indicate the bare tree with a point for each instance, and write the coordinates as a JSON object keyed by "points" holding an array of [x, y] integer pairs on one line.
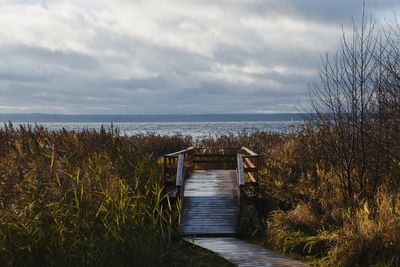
{"points": [[390, 137], [344, 100]]}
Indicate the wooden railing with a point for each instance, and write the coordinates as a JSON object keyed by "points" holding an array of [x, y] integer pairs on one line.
{"points": [[240, 179], [215, 157], [174, 171], [242, 159], [180, 176], [251, 163], [246, 174]]}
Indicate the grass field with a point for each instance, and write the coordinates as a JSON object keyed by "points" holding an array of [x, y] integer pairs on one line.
{"points": [[88, 199], [95, 199]]}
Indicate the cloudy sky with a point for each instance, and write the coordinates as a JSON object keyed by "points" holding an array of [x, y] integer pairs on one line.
{"points": [[156, 56]]}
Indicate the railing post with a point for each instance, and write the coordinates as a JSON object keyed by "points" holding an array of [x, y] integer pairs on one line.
{"points": [[240, 176], [240, 182], [165, 171], [180, 175], [257, 161]]}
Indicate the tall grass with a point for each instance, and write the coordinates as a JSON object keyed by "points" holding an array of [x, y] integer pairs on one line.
{"points": [[84, 198], [95, 198], [302, 209], [310, 215]]}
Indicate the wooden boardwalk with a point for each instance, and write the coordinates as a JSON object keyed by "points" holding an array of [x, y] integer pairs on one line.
{"points": [[209, 206], [244, 254], [212, 200]]}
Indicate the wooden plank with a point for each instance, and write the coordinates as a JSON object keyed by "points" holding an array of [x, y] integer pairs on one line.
{"points": [[251, 178], [248, 151], [179, 171], [215, 183], [214, 161], [242, 253], [232, 147], [250, 156], [209, 204], [249, 164], [240, 170], [180, 152], [214, 155]]}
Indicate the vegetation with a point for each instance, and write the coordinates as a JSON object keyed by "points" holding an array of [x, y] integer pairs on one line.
{"points": [[332, 191], [88, 199], [329, 194]]}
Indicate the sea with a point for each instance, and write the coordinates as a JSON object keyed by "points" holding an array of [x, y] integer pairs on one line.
{"points": [[196, 125]]}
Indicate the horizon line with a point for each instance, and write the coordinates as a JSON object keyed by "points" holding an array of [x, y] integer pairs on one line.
{"points": [[153, 114]]}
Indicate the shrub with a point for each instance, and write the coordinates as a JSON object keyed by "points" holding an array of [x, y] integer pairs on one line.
{"points": [[368, 240], [298, 231]]}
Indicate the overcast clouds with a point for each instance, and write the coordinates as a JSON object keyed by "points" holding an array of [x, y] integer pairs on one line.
{"points": [[138, 57]]}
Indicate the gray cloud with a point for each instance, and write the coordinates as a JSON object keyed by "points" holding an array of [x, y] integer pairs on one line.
{"points": [[123, 57]]}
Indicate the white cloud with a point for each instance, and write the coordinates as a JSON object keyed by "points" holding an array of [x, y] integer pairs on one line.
{"points": [[152, 56]]}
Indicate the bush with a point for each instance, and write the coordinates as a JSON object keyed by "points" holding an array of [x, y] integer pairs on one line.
{"points": [[312, 217], [368, 240], [298, 231]]}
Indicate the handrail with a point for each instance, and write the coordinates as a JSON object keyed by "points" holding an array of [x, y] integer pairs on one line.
{"points": [[180, 152], [214, 155], [247, 162], [251, 163], [248, 151], [171, 159], [219, 147]]}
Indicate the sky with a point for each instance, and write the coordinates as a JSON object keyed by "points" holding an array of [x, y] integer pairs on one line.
{"points": [[168, 57]]}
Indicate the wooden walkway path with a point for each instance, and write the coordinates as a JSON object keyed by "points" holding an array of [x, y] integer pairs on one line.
{"points": [[209, 206], [242, 253], [212, 199]]}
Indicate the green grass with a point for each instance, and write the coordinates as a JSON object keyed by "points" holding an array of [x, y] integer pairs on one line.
{"points": [[186, 254]]}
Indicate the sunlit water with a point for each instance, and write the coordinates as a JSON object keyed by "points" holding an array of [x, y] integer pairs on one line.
{"points": [[195, 129]]}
